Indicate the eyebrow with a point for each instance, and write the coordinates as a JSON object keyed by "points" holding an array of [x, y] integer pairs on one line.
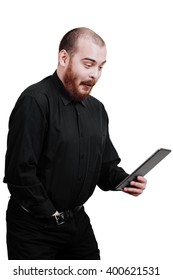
{"points": [[92, 60]]}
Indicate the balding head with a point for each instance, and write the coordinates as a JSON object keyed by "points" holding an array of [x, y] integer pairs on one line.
{"points": [[70, 40]]}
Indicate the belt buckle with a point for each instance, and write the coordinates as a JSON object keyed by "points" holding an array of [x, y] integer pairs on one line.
{"points": [[60, 219]]}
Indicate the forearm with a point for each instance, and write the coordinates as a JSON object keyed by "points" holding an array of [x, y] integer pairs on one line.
{"points": [[33, 198], [110, 176]]}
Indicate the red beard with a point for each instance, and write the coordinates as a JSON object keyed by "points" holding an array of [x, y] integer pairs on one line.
{"points": [[70, 84]]}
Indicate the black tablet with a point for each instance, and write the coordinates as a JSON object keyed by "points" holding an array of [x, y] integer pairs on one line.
{"points": [[144, 168]]}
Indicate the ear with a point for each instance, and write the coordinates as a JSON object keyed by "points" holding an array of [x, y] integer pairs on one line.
{"points": [[63, 57]]}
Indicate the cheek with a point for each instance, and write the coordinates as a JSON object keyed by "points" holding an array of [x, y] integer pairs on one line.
{"points": [[99, 75], [81, 73], [77, 73]]}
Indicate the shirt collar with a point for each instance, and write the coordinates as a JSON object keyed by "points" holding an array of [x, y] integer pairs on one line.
{"points": [[62, 91]]}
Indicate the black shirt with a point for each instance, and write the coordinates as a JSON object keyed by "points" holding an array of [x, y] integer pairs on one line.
{"points": [[58, 150]]}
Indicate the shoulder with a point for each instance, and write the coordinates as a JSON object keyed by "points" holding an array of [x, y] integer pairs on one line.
{"points": [[96, 104], [38, 90], [38, 93], [92, 101]]}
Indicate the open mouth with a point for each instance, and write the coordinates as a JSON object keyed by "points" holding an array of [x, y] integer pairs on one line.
{"points": [[87, 87], [88, 83]]}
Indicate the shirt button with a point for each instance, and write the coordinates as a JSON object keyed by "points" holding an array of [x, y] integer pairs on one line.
{"points": [[82, 156]]}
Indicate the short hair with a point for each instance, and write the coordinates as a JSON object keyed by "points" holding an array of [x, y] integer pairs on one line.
{"points": [[70, 39]]}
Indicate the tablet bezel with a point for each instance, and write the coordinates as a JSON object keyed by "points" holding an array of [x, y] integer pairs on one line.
{"points": [[144, 168]]}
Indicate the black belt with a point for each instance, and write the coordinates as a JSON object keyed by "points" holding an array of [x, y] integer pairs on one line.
{"points": [[66, 215]]}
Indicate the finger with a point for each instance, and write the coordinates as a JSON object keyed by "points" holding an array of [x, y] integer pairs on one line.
{"points": [[142, 179], [138, 185], [133, 191]]}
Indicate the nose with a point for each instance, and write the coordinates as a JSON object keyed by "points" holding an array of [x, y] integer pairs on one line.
{"points": [[94, 73]]}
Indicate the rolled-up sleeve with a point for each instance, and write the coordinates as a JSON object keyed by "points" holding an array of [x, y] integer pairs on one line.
{"points": [[27, 128]]}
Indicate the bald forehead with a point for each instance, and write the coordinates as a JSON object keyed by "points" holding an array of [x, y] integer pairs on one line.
{"points": [[88, 42], [89, 49], [91, 37]]}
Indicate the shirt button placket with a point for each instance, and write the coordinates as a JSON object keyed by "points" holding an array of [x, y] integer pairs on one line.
{"points": [[81, 148]]}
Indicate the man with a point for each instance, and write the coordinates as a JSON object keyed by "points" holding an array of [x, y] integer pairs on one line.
{"points": [[58, 150]]}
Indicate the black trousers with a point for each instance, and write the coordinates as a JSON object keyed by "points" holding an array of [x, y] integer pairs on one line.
{"points": [[30, 238]]}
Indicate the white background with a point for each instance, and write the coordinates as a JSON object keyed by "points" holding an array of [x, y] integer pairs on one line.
{"points": [[136, 88]]}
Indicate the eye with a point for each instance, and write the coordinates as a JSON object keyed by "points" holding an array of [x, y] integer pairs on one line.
{"points": [[100, 68], [88, 65]]}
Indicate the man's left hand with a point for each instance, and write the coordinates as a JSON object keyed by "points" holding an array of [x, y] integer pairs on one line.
{"points": [[136, 187]]}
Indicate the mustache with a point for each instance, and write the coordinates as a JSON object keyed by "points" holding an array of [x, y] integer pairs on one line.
{"points": [[90, 83]]}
